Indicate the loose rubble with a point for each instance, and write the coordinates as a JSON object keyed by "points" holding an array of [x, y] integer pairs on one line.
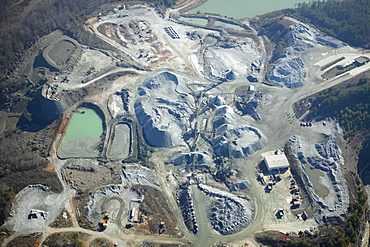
{"points": [[230, 213], [186, 204], [326, 157]]}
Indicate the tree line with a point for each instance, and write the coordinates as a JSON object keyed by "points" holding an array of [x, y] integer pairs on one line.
{"points": [[347, 20], [351, 108]]}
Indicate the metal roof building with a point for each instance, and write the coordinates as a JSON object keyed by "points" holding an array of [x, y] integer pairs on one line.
{"points": [[275, 162]]}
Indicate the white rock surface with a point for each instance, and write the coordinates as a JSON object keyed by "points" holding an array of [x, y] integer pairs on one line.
{"points": [[326, 157], [163, 109], [240, 59], [289, 70]]}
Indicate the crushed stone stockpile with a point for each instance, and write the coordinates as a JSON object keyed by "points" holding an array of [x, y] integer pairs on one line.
{"points": [[110, 198], [230, 213], [186, 204], [163, 109], [115, 105], [229, 139], [198, 158], [230, 61], [235, 140], [326, 157], [289, 70]]}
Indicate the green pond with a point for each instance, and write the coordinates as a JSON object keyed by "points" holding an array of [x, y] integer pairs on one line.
{"points": [[224, 24], [85, 122], [197, 21], [314, 176], [243, 8]]}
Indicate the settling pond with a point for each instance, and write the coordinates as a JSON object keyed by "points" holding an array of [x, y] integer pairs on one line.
{"points": [[83, 135], [85, 122], [314, 176], [243, 8]]}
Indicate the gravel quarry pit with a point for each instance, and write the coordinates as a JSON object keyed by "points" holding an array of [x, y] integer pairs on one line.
{"points": [[176, 148], [322, 153]]}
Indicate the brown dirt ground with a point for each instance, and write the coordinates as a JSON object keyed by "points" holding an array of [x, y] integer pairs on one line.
{"points": [[65, 239], [156, 208], [87, 182], [148, 244], [274, 238], [25, 240], [4, 233], [60, 222]]}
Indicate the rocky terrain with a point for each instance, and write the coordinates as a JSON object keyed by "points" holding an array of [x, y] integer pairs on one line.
{"points": [[186, 116], [326, 157], [290, 69]]}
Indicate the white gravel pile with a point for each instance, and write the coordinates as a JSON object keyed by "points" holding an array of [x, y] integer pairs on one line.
{"points": [[289, 70], [163, 109]]}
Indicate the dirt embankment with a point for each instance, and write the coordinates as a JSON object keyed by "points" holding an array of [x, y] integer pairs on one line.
{"points": [[193, 5], [86, 177], [156, 208]]}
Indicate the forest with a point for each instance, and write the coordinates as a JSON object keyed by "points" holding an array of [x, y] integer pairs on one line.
{"points": [[347, 20], [350, 107]]}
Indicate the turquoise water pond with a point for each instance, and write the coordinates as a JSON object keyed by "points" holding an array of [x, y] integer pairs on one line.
{"points": [[85, 122], [243, 8]]}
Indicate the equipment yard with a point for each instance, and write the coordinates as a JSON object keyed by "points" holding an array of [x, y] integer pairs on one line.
{"points": [[195, 141]]}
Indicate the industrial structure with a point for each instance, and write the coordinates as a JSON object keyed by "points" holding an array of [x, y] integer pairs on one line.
{"points": [[276, 162]]}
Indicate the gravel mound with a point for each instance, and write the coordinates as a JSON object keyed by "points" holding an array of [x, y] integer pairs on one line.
{"points": [[163, 109], [289, 70]]}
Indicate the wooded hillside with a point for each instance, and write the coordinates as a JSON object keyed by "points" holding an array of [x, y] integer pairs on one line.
{"points": [[347, 20]]}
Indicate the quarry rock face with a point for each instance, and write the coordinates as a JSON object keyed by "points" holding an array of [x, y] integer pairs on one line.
{"points": [[163, 109], [326, 157]]}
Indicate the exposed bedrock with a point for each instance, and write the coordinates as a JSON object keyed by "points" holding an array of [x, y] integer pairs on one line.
{"points": [[326, 157], [163, 109]]}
